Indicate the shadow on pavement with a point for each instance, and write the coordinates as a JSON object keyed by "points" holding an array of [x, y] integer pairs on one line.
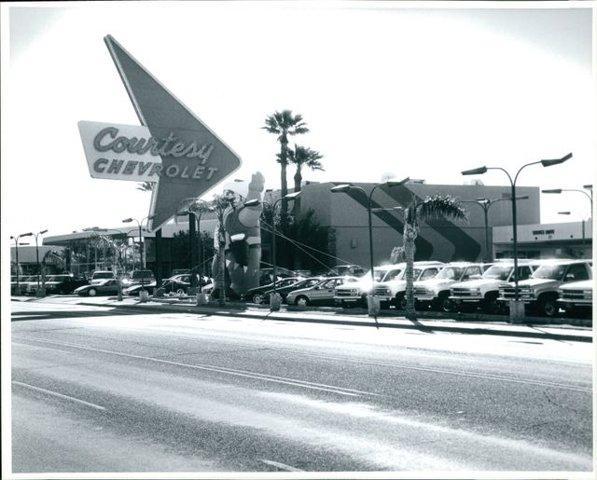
{"points": [[54, 314]]}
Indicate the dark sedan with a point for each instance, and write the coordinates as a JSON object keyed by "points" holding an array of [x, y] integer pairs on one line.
{"points": [[63, 284], [284, 291], [258, 294]]}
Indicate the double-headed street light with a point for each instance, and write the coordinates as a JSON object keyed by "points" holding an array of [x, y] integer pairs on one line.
{"points": [[16, 239], [589, 195], [482, 170], [485, 204], [582, 223], [347, 187], [141, 242]]}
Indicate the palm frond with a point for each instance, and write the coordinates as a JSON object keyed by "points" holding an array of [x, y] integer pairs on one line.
{"points": [[440, 206]]}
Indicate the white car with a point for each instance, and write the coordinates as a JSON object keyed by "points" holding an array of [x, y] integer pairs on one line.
{"points": [[435, 292], [541, 291], [483, 291], [576, 298], [356, 292], [392, 292], [321, 293]]}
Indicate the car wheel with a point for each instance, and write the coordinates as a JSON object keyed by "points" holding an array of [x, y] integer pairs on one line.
{"points": [[180, 291], [301, 301], [490, 303], [92, 292], [257, 298], [548, 307], [400, 301], [445, 304]]}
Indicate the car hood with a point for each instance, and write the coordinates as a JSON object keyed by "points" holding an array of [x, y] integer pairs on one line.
{"points": [[100, 281], [481, 282], [538, 282], [582, 285], [434, 283]]}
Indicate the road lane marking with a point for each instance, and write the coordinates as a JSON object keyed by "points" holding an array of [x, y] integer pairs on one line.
{"points": [[281, 466], [452, 372], [239, 373], [60, 395]]}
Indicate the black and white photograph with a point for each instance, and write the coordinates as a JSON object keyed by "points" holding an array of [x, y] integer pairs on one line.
{"points": [[298, 239]]}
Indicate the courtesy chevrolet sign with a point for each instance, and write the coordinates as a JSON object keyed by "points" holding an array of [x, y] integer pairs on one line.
{"points": [[129, 152]]}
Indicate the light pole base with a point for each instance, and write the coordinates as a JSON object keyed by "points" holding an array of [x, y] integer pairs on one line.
{"points": [[373, 306], [517, 311], [143, 296], [275, 301], [202, 299], [40, 293]]}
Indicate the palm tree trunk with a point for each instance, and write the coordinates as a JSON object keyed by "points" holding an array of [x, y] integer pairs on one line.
{"points": [[409, 235], [283, 180], [298, 179]]}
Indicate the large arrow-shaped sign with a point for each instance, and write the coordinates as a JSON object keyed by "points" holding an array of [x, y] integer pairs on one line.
{"points": [[194, 159]]}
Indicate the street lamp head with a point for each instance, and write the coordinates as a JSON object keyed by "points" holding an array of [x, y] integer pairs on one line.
{"points": [[43, 231], [28, 234], [396, 183], [292, 196], [252, 203], [588, 187], [556, 161], [482, 201], [127, 220], [475, 171], [563, 213], [552, 190], [345, 187]]}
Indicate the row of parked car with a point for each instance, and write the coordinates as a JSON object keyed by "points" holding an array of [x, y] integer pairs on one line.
{"points": [[545, 286]]}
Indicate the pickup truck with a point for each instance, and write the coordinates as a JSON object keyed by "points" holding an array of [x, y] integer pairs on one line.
{"points": [[355, 293], [483, 291], [435, 292], [576, 298], [392, 292], [540, 292]]}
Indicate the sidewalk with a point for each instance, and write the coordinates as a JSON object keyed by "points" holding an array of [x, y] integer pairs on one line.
{"points": [[331, 316]]}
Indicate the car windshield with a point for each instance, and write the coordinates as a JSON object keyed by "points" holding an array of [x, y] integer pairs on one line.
{"points": [[551, 272], [450, 273], [498, 272], [392, 274], [142, 274], [101, 275], [55, 278], [378, 274]]}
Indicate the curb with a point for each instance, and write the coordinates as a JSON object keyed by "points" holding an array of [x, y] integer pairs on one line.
{"points": [[356, 322]]}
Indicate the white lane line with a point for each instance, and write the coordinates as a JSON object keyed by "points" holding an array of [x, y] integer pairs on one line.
{"points": [[238, 373], [484, 376], [281, 466], [59, 395]]}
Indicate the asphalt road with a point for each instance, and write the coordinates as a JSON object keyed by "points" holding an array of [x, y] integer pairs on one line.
{"points": [[100, 390]]}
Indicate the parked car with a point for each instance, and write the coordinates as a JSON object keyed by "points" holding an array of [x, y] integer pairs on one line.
{"points": [[540, 292], [483, 291], [321, 293], [179, 283], [576, 298], [356, 292], [29, 285], [100, 275], [134, 290], [435, 292], [104, 286], [63, 284], [284, 291], [392, 292], [258, 295], [137, 277], [343, 270], [266, 275]]}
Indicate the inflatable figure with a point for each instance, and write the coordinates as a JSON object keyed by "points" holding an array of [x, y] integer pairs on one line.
{"points": [[242, 237]]}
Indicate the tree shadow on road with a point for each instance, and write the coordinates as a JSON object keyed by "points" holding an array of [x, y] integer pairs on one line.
{"points": [[55, 314]]}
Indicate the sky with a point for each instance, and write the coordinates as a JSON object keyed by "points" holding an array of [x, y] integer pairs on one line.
{"points": [[385, 90]]}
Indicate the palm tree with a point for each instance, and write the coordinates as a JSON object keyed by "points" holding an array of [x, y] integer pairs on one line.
{"points": [[146, 186], [302, 156], [434, 207], [283, 124]]}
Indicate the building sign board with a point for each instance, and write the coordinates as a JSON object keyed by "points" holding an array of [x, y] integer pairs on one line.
{"points": [[193, 158]]}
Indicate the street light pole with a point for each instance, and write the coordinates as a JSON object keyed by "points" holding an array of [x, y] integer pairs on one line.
{"points": [[346, 188], [586, 187], [39, 272], [285, 198], [482, 170], [28, 234]]}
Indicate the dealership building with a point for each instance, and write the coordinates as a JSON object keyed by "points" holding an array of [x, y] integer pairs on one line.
{"points": [[440, 239]]}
